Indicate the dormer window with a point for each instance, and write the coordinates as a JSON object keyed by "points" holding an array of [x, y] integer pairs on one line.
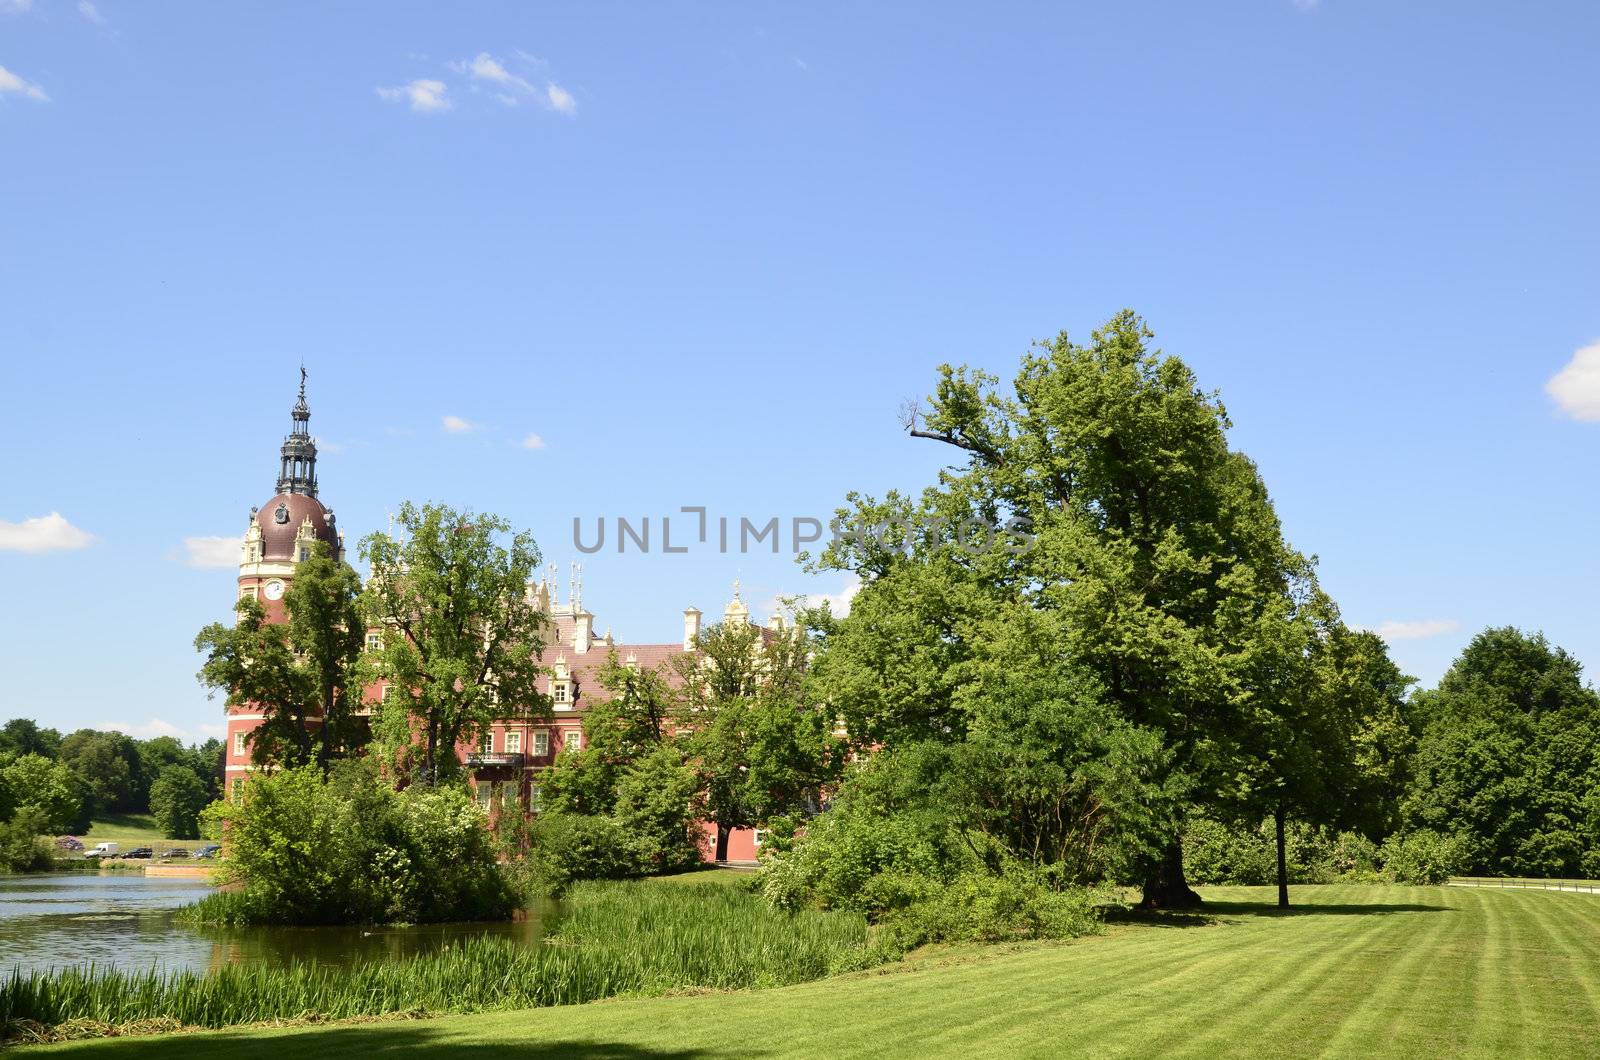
{"points": [[561, 693]]}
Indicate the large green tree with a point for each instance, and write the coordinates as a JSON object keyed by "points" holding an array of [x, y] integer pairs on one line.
{"points": [[630, 724], [176, 798], [300, 672], [761, 747], [24, 736], [1508, 758], [462, 635], [1102, 489], [47, 791], [109, 766]]}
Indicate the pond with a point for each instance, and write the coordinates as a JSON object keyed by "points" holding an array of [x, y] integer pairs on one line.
{"points": [[125, 920]]}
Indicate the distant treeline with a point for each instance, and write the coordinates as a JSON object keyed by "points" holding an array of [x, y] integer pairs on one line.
{"points": [[62, 784]]}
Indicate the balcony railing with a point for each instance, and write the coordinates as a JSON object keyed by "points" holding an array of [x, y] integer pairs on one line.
{"points": [[484, 759]]}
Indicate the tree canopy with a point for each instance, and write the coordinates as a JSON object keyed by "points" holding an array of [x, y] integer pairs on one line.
{"points": [[460, 633]]}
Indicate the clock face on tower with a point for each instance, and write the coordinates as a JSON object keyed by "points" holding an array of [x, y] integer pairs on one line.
{"points": [[274, 590]]}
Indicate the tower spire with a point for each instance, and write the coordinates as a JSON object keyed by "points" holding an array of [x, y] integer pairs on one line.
{"points": [[297, 468]]}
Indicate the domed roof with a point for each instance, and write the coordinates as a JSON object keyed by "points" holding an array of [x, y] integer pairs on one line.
{"points": [[280, 520]]}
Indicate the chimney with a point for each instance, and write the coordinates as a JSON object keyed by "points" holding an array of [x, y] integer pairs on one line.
{"points": [[775, 622], [582, 631], [691, 628]]}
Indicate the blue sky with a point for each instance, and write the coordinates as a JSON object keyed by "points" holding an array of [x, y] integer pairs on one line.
{"points": [[703, 252]]}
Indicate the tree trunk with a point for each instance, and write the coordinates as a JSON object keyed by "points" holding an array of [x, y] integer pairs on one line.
{"points": [[722, 842], [1166, 887], [1283, 863]]}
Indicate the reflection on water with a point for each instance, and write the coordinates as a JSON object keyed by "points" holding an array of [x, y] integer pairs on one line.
{"points": [[126, 921]]}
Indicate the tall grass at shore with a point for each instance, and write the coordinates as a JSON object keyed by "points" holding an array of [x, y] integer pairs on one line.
{"points": [[616, 939]]}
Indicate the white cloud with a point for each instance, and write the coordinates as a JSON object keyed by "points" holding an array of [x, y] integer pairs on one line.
{"points": [[1421, 629], [212, 553], [90, 12], [45, 533], [1576, 388], [838, 602], [16, 7], [457, 425], [10, 82], [487, 68], [560, 99], [533, 441], [424, 94]]}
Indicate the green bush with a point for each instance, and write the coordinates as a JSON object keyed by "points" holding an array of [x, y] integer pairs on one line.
{"points": [[655, 808], [50, 788], [1247, 855], [21, 849], [1422, 857], [882, 845], [305, 850], [567, 847], [980, 907]]}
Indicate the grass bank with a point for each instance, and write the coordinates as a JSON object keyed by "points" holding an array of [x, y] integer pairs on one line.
{"points": [[1355, 971], [614, 939]]}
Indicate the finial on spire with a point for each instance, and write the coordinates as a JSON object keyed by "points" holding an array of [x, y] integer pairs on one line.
{"points": [[736, 588], [577, 587], [297, 469]]}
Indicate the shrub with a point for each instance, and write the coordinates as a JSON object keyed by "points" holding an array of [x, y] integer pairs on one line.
{"points": [[566, 847], [1422, 857], [352, 850], [980, 907], [882, 845], [50, 788], [1247, 855], [21, 849], [655, 809]]}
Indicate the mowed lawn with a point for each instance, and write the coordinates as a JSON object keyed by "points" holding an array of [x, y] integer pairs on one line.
{"points": [[134, 830], [1355, 971]]}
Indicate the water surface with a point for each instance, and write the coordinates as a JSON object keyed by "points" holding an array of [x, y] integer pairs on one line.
{"points": [[125, 920]]}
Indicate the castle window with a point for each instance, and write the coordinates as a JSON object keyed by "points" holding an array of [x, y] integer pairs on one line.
{"points": [[488, 743], [305, 554], [573, 738], [561, 693], [541, 743], [485, 792], [239, 742], [513, 743], [374, 641]]}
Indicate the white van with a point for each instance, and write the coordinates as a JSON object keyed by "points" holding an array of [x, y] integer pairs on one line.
{"points": [[102, 850]]}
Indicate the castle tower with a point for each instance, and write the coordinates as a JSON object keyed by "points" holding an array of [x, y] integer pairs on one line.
{"points": [[279, 536]]}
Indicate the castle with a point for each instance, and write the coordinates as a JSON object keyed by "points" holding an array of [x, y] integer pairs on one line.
{"points": [[505, 768]]}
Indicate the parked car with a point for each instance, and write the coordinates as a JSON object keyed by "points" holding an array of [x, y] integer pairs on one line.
{"points": [[141, 853], [175, 852], [102, 850], [210, 850]]}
